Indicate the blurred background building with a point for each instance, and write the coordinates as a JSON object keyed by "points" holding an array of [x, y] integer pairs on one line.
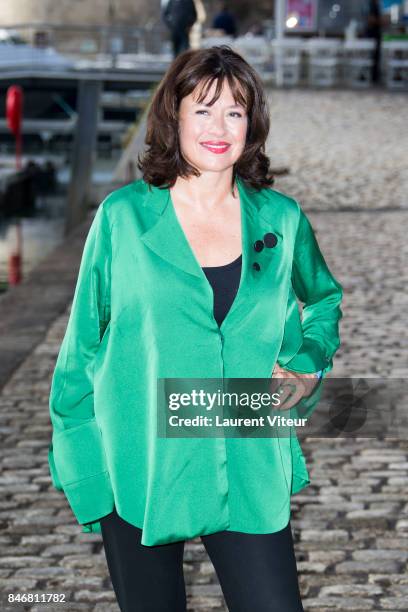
{"points": [[332, 16]]}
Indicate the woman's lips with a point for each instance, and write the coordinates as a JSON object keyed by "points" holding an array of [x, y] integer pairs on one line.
{"points": [[216, 148]]}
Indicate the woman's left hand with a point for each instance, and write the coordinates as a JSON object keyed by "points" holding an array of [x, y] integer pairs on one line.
{"points": [[295, 387]]}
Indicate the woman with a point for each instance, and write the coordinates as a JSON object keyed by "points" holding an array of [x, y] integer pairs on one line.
{"points": [[190, 274]]}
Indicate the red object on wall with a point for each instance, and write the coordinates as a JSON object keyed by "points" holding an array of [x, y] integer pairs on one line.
{"points": [[14, 115]]}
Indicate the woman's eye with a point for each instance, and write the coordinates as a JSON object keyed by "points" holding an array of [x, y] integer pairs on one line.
{"points": [[232, 113]]}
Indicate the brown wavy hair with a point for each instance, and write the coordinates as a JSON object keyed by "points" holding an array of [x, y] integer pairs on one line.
{"points": [[162, 162]]}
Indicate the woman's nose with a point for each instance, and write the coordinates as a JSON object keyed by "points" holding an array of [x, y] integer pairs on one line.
{"points": [[218, 125]]}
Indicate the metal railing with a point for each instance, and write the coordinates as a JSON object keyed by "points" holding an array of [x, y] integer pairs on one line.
{"points": [[306, 62]]}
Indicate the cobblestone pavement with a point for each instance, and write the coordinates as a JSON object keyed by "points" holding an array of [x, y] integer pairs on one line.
{"points": [[351, 524], [344, 149]]}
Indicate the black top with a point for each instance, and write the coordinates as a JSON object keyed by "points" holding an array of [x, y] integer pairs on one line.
{"points": [[224, 281]]}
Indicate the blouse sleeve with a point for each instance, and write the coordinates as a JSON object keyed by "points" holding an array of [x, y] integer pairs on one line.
{"points": [[76, 457], [321, 295]]}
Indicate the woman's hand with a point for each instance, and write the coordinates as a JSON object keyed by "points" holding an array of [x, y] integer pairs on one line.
{"points": [[295, 386]]}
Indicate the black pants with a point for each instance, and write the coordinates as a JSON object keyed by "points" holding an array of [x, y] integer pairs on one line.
{"points": [[256, 572], [180, 40]]}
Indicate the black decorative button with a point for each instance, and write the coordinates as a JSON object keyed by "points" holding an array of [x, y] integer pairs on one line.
{"points": [[256, 266], [270, 240], [258, 246]]}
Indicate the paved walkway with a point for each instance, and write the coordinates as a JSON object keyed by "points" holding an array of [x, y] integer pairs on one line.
{"points": [[351, 524]]}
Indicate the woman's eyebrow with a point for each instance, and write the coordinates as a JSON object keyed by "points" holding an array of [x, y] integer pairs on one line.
{"points": [[206, 104]]}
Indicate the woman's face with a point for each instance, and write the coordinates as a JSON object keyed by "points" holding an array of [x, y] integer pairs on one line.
{"points": [[212, 138]]}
